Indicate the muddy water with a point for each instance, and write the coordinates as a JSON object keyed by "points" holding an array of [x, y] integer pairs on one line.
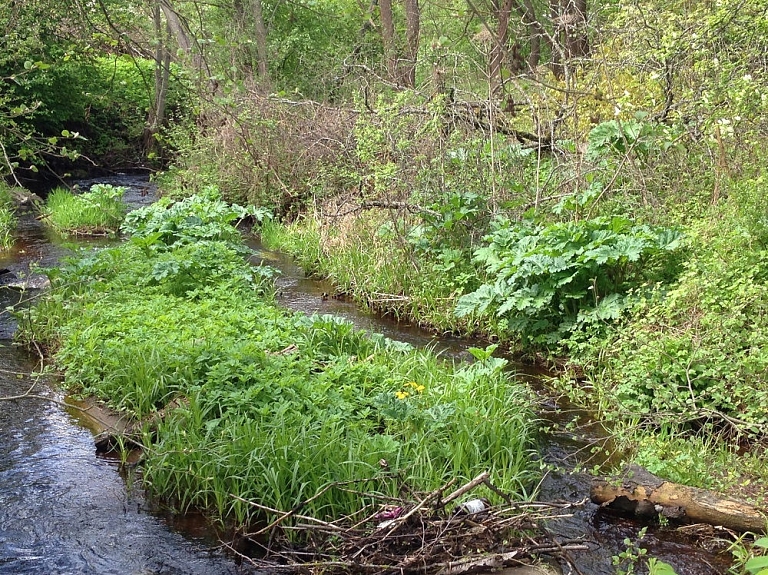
{"points": [[65, 510]]}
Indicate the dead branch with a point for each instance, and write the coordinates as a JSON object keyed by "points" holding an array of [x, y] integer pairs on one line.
{"points": [[421, 535]]}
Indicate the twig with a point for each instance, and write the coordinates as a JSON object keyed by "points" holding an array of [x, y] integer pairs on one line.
{"points": [[482, 478]]}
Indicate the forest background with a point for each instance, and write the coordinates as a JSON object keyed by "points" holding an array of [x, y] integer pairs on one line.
{"points": [[582, 182]]}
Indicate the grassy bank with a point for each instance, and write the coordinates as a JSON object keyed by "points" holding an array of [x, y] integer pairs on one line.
{"points": [[659, 324], [276, 406]]}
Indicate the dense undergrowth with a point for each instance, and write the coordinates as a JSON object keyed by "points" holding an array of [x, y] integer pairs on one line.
{"points": [[275, 406]]}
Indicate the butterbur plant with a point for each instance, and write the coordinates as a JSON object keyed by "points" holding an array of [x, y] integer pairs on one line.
{"points": [[544, 282]]}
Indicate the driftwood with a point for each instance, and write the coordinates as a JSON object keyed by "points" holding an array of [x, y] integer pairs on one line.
{"points": [[129, 433], [642, 494]]}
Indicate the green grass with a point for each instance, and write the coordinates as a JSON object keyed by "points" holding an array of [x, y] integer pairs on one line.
{"points": [[7, 218], [277, 406], [97, 212], [367, 260]]}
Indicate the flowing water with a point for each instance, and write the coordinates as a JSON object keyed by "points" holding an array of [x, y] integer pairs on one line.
{"points": [[63, 509]]}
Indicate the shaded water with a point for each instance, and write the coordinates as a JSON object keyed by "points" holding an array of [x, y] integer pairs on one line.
{"points": [[65, 510]]}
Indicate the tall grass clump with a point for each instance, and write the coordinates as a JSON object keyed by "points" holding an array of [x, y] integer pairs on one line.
{"points": [[7, 217], [99, 211], [405, 276], [276, 407]]}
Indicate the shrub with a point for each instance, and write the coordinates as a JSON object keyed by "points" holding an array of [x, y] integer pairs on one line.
{"points": [[544, 282]]}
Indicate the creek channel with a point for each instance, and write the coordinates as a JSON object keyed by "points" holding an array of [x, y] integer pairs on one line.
{"points": [[66, 510]]}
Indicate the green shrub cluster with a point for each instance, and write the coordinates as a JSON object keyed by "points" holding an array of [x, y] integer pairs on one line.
{"points": [[697, 349], [276, 406], [546, 281]]}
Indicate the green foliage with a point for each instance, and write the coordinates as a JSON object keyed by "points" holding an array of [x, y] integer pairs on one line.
{"points": [[626, 562], [547, 281], [696, 349], [204, 216], [60, 100], [275, 406], [630, 136], [749, 559], [656, 567], [7, 217], [98, 211]]}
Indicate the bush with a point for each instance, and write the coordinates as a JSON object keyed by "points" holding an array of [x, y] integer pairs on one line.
{"points": [[696, 350], [545, 282]]}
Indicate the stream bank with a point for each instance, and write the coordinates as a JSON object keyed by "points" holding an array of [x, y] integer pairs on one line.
{"points": [[605, 534]]}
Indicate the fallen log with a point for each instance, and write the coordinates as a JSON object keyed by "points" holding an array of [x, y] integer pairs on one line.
{"points": [[642, 494], [129, 433]]}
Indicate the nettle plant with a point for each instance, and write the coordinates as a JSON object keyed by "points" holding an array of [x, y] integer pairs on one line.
{"points": [[546, 281]]}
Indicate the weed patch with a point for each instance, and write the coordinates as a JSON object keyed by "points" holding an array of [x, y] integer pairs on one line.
{"points": [[279, 406], [7, 218], [99, 211]]}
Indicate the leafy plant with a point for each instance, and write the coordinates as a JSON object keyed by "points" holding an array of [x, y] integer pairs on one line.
{"points": [[276, 406], [7, 217], [750, 559], [544, 282]]}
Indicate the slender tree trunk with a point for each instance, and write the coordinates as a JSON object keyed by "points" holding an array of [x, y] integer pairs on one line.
{"points": [[498, 54], [412, 30], [179, 30], [575, 25], [162, 59], [558, 54], [261, 40], [241, 60], [388, 38], [536, 33]]}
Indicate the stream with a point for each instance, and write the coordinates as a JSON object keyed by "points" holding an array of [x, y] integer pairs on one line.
{"points": [[66, 510]]}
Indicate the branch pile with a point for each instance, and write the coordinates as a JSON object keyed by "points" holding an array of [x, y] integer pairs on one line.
{"points": [[425, 534]]}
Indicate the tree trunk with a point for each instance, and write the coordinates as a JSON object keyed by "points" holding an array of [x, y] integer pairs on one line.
{"points": [[179, 29], [162, 59], [412, 28], [536, 33], [575, 26], [388, 38], [260, 29], [642, 494], [557, 62], [498, 54]]}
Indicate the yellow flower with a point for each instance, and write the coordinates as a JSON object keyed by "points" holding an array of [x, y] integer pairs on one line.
{"points": [[416, 386], [401, 394]]}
